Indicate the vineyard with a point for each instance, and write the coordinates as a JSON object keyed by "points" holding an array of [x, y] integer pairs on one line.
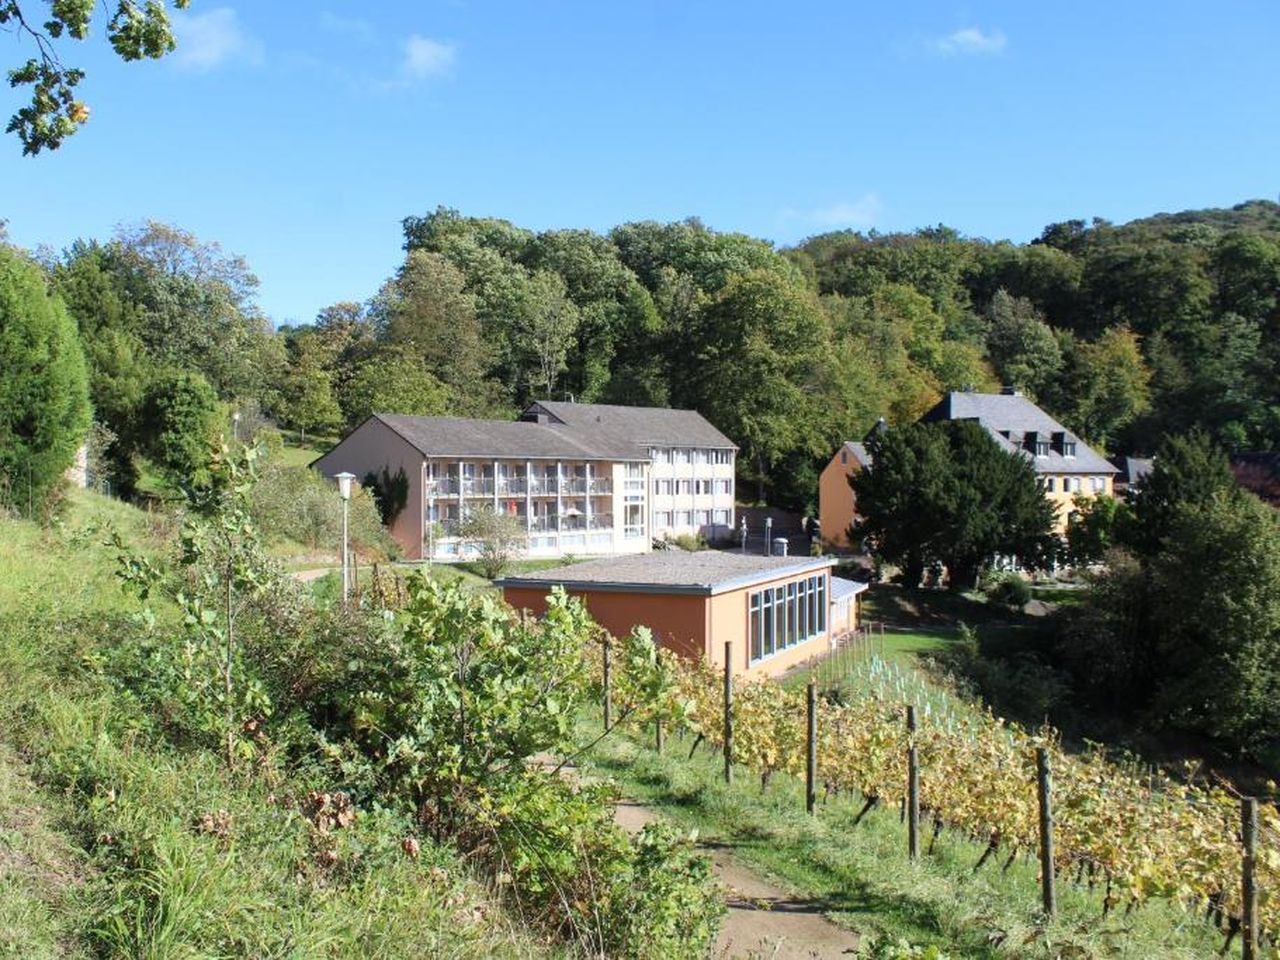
{"points": [[1131, 834]]}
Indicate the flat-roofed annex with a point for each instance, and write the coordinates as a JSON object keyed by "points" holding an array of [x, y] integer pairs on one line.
{"points": [[701, 572]]}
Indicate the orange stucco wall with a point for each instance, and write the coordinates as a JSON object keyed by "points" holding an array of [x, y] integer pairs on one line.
{"points": [[692, 626], [369, 448], [835, 499]]}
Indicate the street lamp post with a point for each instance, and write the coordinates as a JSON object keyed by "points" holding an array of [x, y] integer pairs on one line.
{"points": [[344, 490]]}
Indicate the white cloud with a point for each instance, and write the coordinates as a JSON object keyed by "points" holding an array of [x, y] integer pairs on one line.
{"points": [[352, 28], [208, 40], [971, 42], [425, 58], [861, 213]]}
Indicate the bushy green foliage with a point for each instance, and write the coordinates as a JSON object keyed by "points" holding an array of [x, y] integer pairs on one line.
{"points": [[179, 419], [296, 503], [1095, 526], [44, 401], [692, 542], [1007, 590], [1188, 470], [947, 493], [496, 538]]}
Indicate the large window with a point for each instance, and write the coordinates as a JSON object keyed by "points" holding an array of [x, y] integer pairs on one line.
{"points": [[781, 617]]}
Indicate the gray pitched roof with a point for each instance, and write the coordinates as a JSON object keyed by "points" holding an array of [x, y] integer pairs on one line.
{"points": [[659, 426], [859, 452], [1009, 418], [458, 437], [1133, 469], [702, 572]]}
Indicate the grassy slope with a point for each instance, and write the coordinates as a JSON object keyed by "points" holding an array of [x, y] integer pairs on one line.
{"points": [[124, 865]]}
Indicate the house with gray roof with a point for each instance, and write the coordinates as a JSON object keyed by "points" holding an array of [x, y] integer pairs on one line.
{"points": [[587, 479], [1066, 465]]}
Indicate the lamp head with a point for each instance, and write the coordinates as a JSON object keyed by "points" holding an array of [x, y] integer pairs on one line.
{"points": [[344, 484]]}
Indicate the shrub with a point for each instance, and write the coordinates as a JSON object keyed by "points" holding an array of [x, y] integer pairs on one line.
{"points": [[179, 419], [297, 503], [1008, 590], [44, 390], [496, 537], [691, 542]]}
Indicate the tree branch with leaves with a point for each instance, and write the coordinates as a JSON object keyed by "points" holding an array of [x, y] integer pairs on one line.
{"points": [[134, 30]]}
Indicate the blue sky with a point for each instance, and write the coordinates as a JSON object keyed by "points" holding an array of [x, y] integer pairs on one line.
{"points": [[299, 134]]}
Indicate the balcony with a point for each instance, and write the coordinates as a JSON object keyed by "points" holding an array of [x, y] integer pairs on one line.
{"points": [[511, 486], [573, 485], [543, 524], [543, 486], [442, 488], [482, 487], [600, 521], [600, 486]]}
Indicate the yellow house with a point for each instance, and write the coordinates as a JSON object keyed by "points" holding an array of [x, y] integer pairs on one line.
{"points": [[1066, 466]]}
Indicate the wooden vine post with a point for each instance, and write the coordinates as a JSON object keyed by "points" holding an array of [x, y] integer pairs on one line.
{"points": [[1048, 890], [728, 711], [608, 677], [913, 787], [811, 768], [657, 734], [1248, 880]]}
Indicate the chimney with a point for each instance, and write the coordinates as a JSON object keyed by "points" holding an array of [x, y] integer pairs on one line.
{"points": [[1009, 390]]}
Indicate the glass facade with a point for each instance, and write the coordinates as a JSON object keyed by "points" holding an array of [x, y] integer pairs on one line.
{"points": [[786, 615]]}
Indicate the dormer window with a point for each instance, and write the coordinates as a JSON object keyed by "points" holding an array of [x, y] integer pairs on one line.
{"points": [[1068, 448], [1042, 448]]}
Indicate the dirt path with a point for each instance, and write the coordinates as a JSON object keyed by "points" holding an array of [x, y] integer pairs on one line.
{"points": [[306, 576], [763, 920]]}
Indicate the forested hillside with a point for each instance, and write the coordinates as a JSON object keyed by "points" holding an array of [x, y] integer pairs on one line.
{"points": [[1124, 332]]}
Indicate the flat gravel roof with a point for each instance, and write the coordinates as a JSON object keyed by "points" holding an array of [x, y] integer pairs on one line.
{"points": [[671, 571]]}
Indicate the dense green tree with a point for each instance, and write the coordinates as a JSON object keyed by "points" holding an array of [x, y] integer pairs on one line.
{"points": [[1095, 527], [179, 420], [908, 471], [1216, 599], [425, 310], [307, 401], [1021, 345], [1188, 471], [392, 381], [751, 363], [44, 392], [1104, 385], [545, 330], [948, 493]]}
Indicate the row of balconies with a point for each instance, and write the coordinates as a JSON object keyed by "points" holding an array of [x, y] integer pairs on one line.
{"points": [[550, 523], [538, 487]]}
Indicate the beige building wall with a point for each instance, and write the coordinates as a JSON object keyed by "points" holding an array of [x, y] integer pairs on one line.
{"points": [[1066, 487], [679, 470], [835, 499], [369, 448]]}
